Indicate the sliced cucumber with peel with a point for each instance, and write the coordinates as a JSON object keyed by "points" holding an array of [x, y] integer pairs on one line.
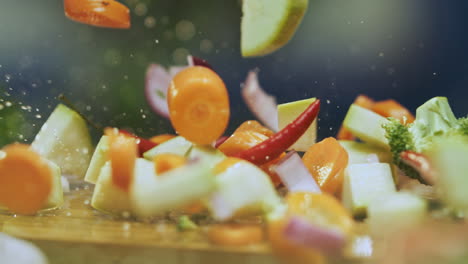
{"points": [[366, 125], [267, 25], [177, 145], [98, 160], [64, 139]]}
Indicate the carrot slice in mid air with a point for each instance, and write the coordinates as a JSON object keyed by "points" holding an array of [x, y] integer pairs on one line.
{"points": [[166, 161], [198, 105], [391, 108], [25, 179], [123, 152], [235, 235], [362, 101], [326, 162], [102, 13]]}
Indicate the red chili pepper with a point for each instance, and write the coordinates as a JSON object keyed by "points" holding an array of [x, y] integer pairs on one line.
{"points": [[420, 163], [143, 144], [282, 140]]}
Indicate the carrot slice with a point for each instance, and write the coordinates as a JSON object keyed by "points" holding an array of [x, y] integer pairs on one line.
{"points": [[166, 161], [235, 235], [102, 13], [123, 152], [391, 108], [198, 105], [25, 179], [161, 138], [326, 162], [362, 101]]}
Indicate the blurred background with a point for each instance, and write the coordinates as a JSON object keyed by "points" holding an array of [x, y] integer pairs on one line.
{"points": [[406, 50]]}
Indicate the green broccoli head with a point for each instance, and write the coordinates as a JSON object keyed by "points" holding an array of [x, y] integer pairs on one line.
{"points": [[400, 139]]}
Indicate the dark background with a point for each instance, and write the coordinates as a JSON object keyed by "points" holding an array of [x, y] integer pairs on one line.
{"points": [[409, 50]]}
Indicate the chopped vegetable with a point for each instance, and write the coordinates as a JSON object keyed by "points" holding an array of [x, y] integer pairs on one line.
{"points": [[259, 102], [167, 161], [305, 233], [391, 108], [278, 143], [421, 164], [185, 224], [198, 105], [100, 157], [362, 101], [326, 161], [360, 152], [25, 179], [65, 140], [247, 135], [177, 145], [235, 235], [157, 81], [295, 175], [102, 13], [122, 155], [195, 61], [287, 113]]}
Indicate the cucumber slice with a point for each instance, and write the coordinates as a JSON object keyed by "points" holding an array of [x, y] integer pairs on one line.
{"points": [[267, 25], [64, 139], [243, 189], [98, 160], [177, 145], [209, 154], [152, 196], [359, 152], [449, 157], [366, 125], [109, 198], [289, 112], [396, 211], [363, 183]]}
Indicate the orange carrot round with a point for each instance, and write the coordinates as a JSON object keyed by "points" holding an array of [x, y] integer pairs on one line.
{"points": [[235, 235], [198, 105], [25, 179], [326, 161], [102, 13], [391, 108], [123, 152], [166, 161]]}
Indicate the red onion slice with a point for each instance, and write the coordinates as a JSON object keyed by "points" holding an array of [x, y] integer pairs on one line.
{"points": [[262, 105], [157, 83], [305, 233], [195, 61], [294, 174]]}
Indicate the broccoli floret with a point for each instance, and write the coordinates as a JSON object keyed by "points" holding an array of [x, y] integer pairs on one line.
{"points": [[434, 121], [400, 139], [185, 224]]}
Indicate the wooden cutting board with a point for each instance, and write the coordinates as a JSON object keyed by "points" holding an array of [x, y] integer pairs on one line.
{"points": [[78, 234]]}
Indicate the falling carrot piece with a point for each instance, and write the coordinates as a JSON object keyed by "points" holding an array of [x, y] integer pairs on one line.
{"points": [[161, 138], [391, 108], [123, 152], [167, 161], [235, 235], [25, 179], [226, 164], [198, 105], [101, 13], [362, 101], [326, 161]]}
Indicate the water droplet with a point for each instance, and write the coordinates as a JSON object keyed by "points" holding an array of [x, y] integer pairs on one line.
{"points": [[88, 108], [381, 54], [141, 9], [156, 41], [38, 116], [68, 214], [8, 104], [150, 22], [143, 116], [126, 214], [86, 202], [328, 101]]}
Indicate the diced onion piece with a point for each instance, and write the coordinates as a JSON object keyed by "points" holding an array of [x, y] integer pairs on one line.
{"points": [[157, 83], [305, 233], [15, 251], [65, 184], [262, 105], [294, 174], [372, 158]]}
